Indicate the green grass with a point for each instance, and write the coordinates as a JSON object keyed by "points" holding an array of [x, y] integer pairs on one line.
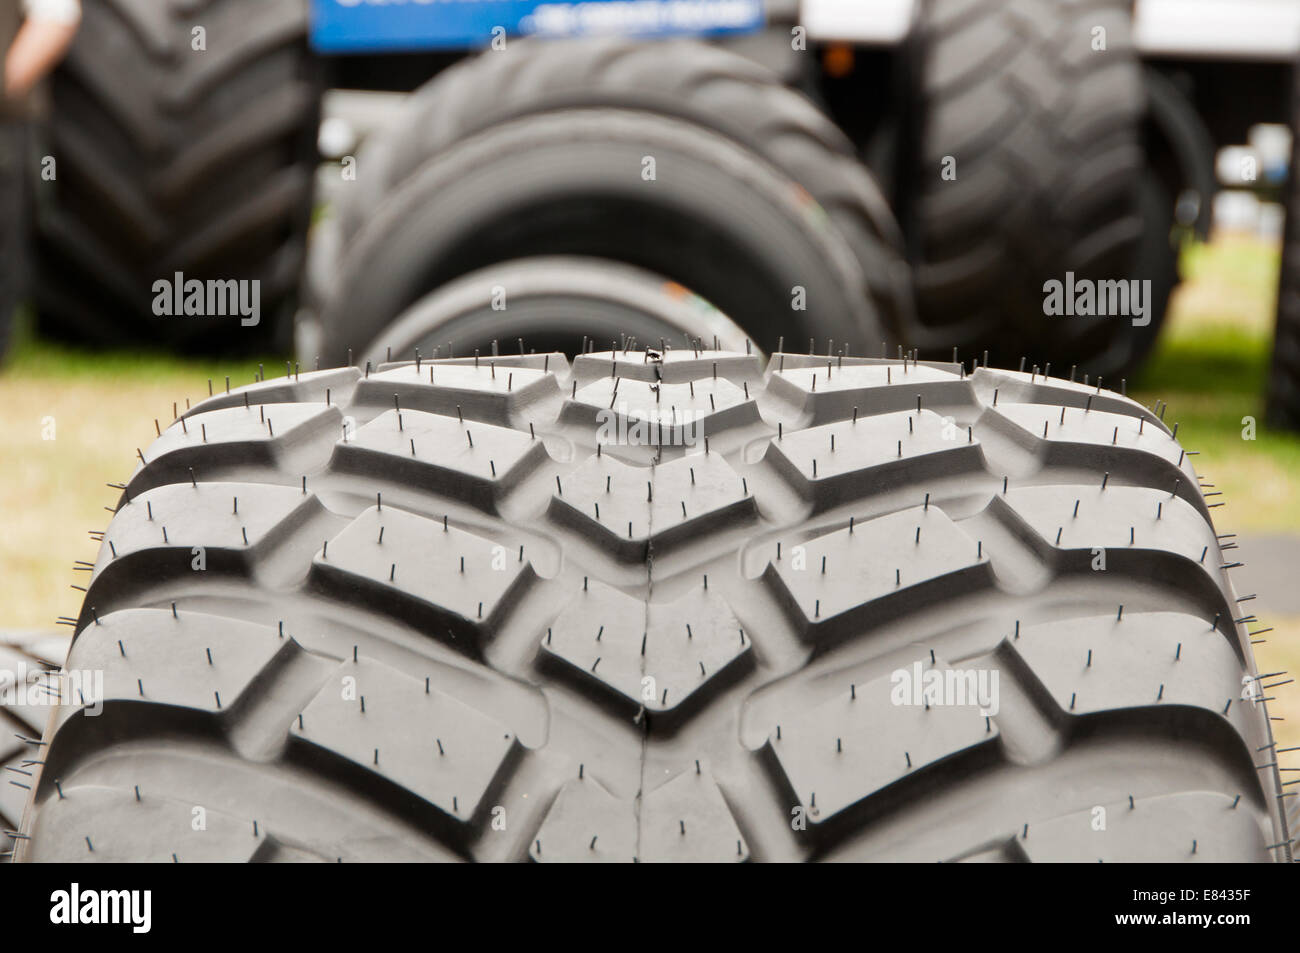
{"points": [[1211, 367], [40, 360], [73, 418], [1218, 360], [1246, 264], [1214, 383]]}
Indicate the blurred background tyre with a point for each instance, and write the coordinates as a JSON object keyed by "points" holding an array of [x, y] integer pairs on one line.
{"points": [[176, 159], [14, 226], [556, 303], [687, 160], [1038, 134], [1284, 378]]}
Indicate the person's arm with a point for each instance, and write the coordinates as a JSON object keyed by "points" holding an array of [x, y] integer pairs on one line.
{"points": [[41, 43]]}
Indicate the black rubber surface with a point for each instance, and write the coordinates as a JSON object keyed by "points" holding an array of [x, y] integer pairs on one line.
{"points": [[15, 226], [172, 159], [441, 615], [1284, 376], [754, 192], [1044, 132]]}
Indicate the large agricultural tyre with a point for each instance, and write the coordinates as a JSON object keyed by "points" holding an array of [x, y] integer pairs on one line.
{"points": [[561, 303], [1024, 163], [176, 159], [1284, 375], [459, 610], [678, 157]]}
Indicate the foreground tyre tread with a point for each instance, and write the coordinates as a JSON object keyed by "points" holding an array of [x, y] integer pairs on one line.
{"points": [[447, 610]]}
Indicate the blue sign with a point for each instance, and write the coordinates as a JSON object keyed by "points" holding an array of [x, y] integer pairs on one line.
{"points": [[353, 26]]}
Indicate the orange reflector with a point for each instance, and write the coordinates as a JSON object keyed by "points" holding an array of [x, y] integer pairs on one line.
{"points": [[837, 60]]}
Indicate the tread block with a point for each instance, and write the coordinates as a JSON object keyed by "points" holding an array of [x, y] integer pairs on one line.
{"points": [[586, 824], [624, 507], [826, 465], [122, 829], [486, 392], [1191, 827], [871, 562], [245, 435], [477, 462], [190, 660], [684, 820], [778, 362], [231, 522], [687, 645], [399, 728], [1018, 387], [552, 362], [866, 738], [599, 635], [445, 577], [671, 367], [1101, 663], [1078, 428], [1116, 518], [828, 391], [649, 413], [691, 646], [309, 387]]}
